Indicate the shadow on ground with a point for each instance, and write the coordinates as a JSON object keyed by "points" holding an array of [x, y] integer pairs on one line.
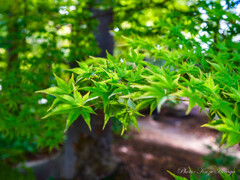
{"points": [[166, 143], [150, 161]]}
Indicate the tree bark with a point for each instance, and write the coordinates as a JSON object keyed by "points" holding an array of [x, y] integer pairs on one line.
{"points": [[102, 35], [86, 155]]}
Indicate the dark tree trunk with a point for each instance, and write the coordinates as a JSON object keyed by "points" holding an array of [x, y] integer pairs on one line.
{"points": [[86, 155], [103, 36]]}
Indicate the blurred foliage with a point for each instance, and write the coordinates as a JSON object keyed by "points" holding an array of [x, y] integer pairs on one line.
{"points": [[223, 175], [11, 150], [20, 173], [219, 157], [36, 39]]}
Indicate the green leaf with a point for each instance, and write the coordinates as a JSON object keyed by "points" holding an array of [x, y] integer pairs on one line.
{"points": [[160, 103], [193, 100], [105, 101], [192, 176], [77, 95], [78, 71], [85, 97], [55, 102], [134, 122], [107, 115], [153, 106], [124, 123], [67, 99], [87, 118], [224, 175], [72, 116], [71, 82], [83, 65], [223, 106], [110, 57], [53, 91], [177, 177], [143, 104], [90, 99], [219, 127], [60, 109], [209, 82], [233, 138], [88, 109], [131, 104], [216, 66], [61, 83]]}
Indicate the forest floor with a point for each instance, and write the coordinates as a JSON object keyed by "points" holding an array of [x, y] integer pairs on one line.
{"points": [[172, 143]]}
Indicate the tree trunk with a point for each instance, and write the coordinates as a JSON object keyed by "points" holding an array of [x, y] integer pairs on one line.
{"points": [[86, 155], [102, 35]]}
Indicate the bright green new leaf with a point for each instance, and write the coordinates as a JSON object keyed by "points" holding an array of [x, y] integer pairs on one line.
{"points": [[61, 83], [88, 109], [53, 91], [220, 127], [233, 138], [72, 116], [160, 103], [107, 116], [87, 118], [60, 109], [131, 104], [67, 99], [177, 177], [55, 102], [134, 122], [78, 71]]}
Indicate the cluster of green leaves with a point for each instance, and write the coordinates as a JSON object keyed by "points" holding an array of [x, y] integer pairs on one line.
{"points": [[104, 85], [65, 102], [128, 85], [203, 83], [207, 77]]}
